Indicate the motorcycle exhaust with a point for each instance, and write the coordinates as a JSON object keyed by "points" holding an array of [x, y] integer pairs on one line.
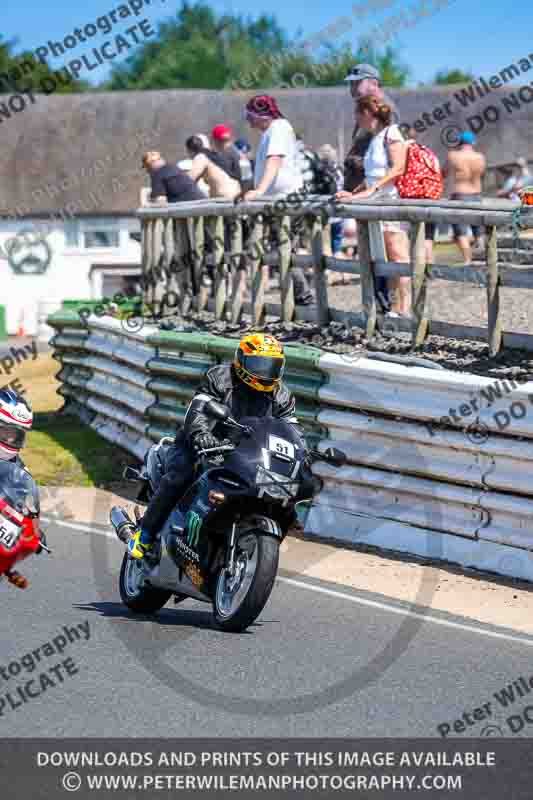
{"points": [[121, 522]]}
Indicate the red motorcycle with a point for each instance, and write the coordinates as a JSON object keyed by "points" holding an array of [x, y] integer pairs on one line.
{"points": [[20, 531]]}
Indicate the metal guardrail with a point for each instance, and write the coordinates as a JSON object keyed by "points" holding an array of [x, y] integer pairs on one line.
{"points": [[407, 485], [175, 239]]}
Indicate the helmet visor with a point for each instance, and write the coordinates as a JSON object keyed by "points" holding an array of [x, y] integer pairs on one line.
{"points": [[12, 437], [265, 370]]}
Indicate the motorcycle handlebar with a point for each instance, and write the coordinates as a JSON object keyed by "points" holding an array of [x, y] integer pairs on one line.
{"points": [[218, 449]]}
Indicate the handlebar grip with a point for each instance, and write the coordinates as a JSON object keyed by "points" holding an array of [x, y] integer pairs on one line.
{"points": [[218, 449]]}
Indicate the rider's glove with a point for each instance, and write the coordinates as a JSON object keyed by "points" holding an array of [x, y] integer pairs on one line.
{"points": [[204, 441]]}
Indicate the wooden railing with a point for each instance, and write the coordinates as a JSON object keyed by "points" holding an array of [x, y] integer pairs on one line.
{"points": [[176, 238]]}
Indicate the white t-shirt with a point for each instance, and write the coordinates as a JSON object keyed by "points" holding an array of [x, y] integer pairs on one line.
{"points": [[377, 162], [279, 140]]}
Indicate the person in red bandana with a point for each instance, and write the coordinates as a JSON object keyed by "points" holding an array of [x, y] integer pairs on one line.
{"points": [[277, 170]]}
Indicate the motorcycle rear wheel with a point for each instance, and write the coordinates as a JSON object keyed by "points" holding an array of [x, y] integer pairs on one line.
{"points": [[135, 593], [239, 601]]}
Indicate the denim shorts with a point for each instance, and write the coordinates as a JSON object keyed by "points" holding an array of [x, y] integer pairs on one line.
{"points": [[464, 230]]}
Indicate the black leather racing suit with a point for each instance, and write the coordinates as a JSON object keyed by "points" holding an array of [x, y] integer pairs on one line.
{"points": [[221, 384]]}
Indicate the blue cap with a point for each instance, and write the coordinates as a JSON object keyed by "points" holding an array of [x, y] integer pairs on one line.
{"points": [[467, 137], [242, 144]]}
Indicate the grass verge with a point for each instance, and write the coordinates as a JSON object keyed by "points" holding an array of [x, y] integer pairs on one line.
{"points": [[61, 450]]}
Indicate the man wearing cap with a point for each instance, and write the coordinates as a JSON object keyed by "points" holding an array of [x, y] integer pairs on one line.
{"points": [[465, 168], [365, 79], [227, 157]]}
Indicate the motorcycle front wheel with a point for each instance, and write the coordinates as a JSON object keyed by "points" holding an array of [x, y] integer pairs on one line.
{"points": [[240, 598]]}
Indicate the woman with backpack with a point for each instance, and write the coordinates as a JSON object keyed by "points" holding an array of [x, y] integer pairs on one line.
{"points": [[394, 168], [384, 162]]}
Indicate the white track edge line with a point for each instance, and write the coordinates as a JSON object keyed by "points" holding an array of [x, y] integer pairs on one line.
{"points": [[405, 612]]}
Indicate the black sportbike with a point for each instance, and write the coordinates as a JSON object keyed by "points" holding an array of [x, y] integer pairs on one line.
{"points": [[221, 541]]}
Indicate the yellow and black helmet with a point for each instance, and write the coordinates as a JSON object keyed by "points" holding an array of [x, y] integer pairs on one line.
{"points": [[259, 362]]}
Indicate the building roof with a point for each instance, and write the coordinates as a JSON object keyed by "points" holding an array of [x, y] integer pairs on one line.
{"points": [[81, 153]]}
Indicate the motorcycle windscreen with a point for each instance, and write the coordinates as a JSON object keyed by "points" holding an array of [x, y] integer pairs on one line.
{"points": [[18, 488], [271, 438]]}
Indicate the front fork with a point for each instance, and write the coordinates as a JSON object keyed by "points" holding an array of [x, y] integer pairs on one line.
{"points": [[230, 567]]}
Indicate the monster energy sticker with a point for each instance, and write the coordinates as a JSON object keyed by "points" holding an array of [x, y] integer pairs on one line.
{"points": [[194, 523]]}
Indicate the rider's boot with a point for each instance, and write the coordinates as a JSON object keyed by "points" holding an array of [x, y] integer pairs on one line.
{"points": [[17, 579], [140, 544]]}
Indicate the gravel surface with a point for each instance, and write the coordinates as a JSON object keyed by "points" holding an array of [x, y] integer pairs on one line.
{"points": [[448, 301], [453, 354]]}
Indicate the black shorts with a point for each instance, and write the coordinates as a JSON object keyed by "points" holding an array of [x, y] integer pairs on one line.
{"points": [[430, 231]]}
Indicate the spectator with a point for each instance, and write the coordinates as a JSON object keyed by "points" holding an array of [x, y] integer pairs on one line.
{"points": [[246, 164], [519, 180], [364, 79], [186, 165], [276, 165], [331, 181], [227, 156], [466, 167], [205, 166], [384, 161], [277, 168], [307, 162], [169, 183]]}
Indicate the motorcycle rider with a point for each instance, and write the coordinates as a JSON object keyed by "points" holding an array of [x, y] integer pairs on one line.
{"points": [[251, 387], [16, 419]]}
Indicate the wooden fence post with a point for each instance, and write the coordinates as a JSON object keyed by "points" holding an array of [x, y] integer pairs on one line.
{"points": [[259, 271], [368, 291], [197, 232], [219, 265], [182, 258], [319, 264], [146, 249], [495, 332], [285, 273], [419, 281], [238, 273]]}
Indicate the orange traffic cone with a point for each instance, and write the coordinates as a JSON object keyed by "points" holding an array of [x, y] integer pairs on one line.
{"points": [[20, 330]]}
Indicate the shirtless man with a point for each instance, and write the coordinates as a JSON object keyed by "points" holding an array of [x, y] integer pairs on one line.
{"points": [[466, 167], [204, 165]]}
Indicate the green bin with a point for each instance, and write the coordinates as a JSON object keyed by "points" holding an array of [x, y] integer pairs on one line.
{"points": [[3, 329]]}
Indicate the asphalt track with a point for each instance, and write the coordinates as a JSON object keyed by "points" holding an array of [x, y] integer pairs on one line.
{"points": [[322, 660]]}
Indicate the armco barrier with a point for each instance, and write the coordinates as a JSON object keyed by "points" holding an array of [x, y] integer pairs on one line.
{"points": [[138, 385], [412, 484]]}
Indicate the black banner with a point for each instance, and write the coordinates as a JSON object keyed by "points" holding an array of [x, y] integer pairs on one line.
{"points": [[46, 769]]}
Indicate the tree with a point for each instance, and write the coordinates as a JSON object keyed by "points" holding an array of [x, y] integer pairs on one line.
{"points": [[200, 50], [451, 76], [23, 71]]}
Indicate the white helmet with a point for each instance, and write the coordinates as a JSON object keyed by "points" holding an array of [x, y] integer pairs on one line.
{"points": [[16, 418]]}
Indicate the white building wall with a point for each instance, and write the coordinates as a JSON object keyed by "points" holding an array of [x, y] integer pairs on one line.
{"points": [[68, 274]]}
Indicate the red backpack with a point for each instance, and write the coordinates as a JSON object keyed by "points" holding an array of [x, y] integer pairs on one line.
{"points": [[423, 176]]}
